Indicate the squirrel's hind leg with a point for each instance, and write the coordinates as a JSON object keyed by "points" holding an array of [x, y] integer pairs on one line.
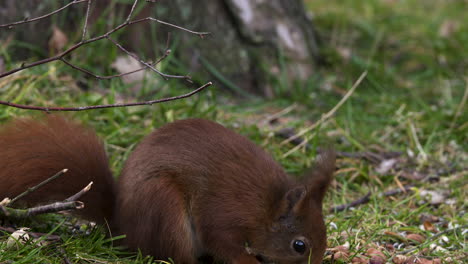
{"points": [[154, 220]]}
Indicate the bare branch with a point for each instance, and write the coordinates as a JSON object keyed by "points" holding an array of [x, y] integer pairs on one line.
{"points": [[61, 57], [108, 77], [32, 189], [165, 76], [324, 117], [78, 195], [14, 213], [85, 26], [70, 203], [83, 108], [27, 20], [366, 198]]}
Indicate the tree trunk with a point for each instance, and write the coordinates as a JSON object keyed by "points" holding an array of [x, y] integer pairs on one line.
{"points": [[251, 41]]}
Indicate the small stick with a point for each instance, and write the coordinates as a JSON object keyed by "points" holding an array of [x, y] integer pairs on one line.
{"points": [[32, 189], [331, 112], [366, 198], [324, 117], [77, 195], [362, 200], [14, 213], [9, 25], [84, 108], [68, 204]]}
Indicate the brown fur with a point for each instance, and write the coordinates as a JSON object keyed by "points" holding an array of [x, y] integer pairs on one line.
{"points": [[31, 151], [192, 188]]}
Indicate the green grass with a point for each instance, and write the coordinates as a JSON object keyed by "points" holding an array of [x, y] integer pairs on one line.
{"points": [[408, 102]]}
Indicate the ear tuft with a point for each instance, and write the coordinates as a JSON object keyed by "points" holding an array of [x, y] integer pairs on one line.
{"points": [[291, 201], [319, 177]]}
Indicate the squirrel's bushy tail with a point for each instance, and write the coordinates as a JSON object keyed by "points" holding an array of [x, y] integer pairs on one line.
{"points": [[32, 150]]}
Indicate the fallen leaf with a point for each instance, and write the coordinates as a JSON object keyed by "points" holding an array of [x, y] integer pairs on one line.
{"points": [[416, 237], [434, 197], [386, 165], [399, 259], [395, 235], [429, 218], [428, 226], [357, 260]]}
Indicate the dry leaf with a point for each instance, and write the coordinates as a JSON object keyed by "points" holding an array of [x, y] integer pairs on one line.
{"points": [[429, 227], [434, 197], [58, 41], [357, 260], [416, 237], [399, 259], [429, 218], [18, 238], [376, 256], [386, 165]]}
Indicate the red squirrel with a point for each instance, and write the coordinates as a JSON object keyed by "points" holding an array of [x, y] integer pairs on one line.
{"points": [[191, 188]]}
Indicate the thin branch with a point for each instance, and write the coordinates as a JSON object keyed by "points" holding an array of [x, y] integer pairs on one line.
{"points": [[200, 34], [85, 26], [108, 77], [32, 189], [14, 213], [61, 57], [84, 108], [331, 112], [78, 195], [362, 200], [164, 75], [366, 198], [70, 203], [131, 11], [27, 20], [324, 117]]}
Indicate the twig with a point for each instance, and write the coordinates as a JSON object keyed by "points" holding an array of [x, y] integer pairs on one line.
{"points": [[27, 20], [104, 36], [83, 108], [324, 117], [366, 198], [164, 75], [70, 203], [14, 213], [108, 77], [78, 195], [85, 26], [32, 189], [362, 200], [84, 41]]}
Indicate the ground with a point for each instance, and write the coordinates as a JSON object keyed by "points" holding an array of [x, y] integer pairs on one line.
{"points": [[403, 127]]}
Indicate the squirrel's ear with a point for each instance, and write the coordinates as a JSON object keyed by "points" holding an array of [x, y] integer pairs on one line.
{"points": [[291, 201], [319, 177]]}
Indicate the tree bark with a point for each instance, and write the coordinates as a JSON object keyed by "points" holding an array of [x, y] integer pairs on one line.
{"points": [[251, 41]]}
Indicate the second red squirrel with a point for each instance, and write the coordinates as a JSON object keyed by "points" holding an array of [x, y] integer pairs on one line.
{"points": [[191, 188]]}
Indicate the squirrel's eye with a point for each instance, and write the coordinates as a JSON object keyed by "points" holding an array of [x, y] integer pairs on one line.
{"points": [[299, 246]]}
